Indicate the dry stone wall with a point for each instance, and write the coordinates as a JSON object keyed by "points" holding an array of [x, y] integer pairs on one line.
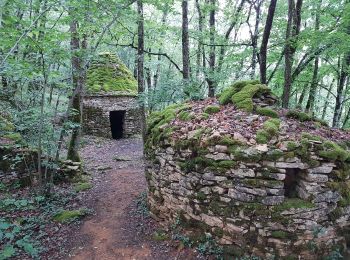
{"points": [[96, 114], [287, 198]]}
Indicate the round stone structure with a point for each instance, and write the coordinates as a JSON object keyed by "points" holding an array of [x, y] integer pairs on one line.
{"points": [[110, 104], [263, 182]]}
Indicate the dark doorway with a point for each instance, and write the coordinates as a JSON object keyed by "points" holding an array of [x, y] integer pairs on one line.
{"points": [[290, 183], [117, 123]]}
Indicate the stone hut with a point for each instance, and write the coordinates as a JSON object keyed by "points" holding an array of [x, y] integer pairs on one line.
{"points": [[110, 103], [263, 182]]}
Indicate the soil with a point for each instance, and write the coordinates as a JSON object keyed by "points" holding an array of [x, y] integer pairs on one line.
{"points": [[117, 229]]}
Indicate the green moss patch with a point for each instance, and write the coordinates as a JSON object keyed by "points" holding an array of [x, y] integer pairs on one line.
{"points": [[108, 74], [244, 98], [69, 215], [212, 109], [294, 203], [270, 129], [82, 186], [279, 234], [333, 151], [263, 111], [303, 117], [344, 189], [226, 95]]}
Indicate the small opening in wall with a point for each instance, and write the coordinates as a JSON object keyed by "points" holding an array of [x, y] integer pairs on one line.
{"points": [[117, 123], [290, 183]]}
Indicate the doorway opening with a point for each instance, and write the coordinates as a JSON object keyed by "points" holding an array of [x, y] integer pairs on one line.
{"points": [[290, 183], [117, 123]]}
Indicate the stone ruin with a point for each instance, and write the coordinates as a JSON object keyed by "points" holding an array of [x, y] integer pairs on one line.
{"points": [[110, 104], [262, 182]]}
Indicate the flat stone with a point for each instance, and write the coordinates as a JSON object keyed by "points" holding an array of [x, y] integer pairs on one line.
{"points": [[221, 148], [314, 177], [212, 221], [255, 191], [329, 196], [325, 169], [233, 193], [218, 156], [296, 165], [262, 148], [242, 173], [272, 200]]}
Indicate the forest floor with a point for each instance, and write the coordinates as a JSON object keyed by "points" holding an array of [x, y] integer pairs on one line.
{"points": [[120, 227]]}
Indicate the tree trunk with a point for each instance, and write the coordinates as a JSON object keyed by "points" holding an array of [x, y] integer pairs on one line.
{"points": [[292, 32], [210, 77], [255, 38], [78, 81], [200, 46], [140, 62], [311, 100], [185, 42], [265, 40]]}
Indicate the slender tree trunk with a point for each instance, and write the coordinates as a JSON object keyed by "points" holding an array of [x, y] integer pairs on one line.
{"points": [[185, 42], [265, 40], [210, 77], [200, 46], [292, 32], [140, 62], [302, 96], [324, 111], [255, 38], [313, 88], [78, 81], [228, 33]]}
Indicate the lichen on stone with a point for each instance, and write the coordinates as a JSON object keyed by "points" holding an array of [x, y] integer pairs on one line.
{"points": [[108, 74]]}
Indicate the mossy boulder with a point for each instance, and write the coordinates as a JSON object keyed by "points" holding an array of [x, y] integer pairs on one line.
{"points": [[242, 93], [107, 74], [82, 186], [65, 216]]}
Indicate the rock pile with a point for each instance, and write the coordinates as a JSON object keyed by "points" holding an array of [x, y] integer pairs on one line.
{"points": [[282, 195]]}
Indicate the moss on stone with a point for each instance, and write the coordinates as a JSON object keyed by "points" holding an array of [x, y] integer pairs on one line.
{"points": [[291, 146], [301, 116], [263, 111], [226, 94], [205, 116], [227, 164], [212, 109], [262, 137], [201, 196], [272, 126], [334, 152], [69, 215], [185, 116], [343, 187], [279, 234], [270, 129], [295, 203], [82, 186], [108, 74], [311, 137], [228, 141], [274, 155], [244, 98]]}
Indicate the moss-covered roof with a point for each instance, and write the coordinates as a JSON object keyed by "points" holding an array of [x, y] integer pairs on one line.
{"points": [[248, 125], [107, 74]]}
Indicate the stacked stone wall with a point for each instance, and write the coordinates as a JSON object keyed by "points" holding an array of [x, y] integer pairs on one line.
{"points": [[96, 114], [241, 198]]}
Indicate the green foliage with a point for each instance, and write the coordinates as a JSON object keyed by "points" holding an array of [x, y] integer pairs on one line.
{"points": [[185, 116], [108, 74], [263, 111], [212, 109]]}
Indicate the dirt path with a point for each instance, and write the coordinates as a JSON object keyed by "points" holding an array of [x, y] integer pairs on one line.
{"points": [[115, 230]]}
